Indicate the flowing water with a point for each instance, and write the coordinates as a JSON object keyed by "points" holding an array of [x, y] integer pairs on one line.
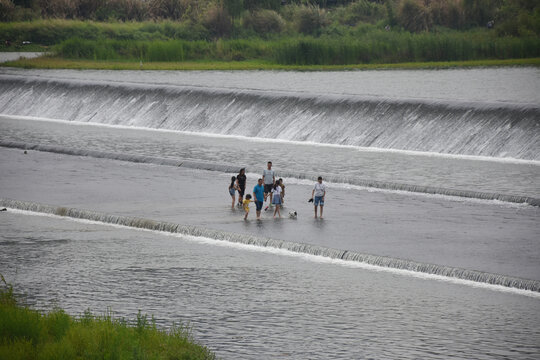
{"points": [[489, 128], [432, 262], [245, 304]]}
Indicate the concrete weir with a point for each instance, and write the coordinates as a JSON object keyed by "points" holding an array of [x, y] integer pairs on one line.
{"points": [[428, 125], [197, 231], [231, 168]]}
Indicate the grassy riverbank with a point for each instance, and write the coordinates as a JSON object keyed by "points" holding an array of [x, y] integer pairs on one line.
{"points": [[272, 34], [166, 42], [47, 62], [29, 334]]}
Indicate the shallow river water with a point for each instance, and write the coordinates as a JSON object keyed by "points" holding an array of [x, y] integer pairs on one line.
{"points": [[248, 304]]}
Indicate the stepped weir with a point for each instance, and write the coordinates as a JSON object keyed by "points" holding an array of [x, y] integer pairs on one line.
{"points": [[197, 231], [505, 130]]}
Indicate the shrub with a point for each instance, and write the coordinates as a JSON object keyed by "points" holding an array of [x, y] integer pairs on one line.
{"points": [[413, 16], [264, 22], [126, 10], [448, 13], [86, 9], [362, 10], [235, 8], [62, 9], [479, 12], [167, 9], [262, 4], [218, 21], [191, 31], [310, 20]]}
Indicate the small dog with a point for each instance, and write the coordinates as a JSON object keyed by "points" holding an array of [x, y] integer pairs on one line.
{"points": [[293, 214]]}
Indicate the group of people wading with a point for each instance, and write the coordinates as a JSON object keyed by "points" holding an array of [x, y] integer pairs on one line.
{"points": [[268, 188]]}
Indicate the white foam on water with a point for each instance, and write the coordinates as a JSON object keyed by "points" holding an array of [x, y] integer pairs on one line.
{"points": [[302, 256], [282, 141]]}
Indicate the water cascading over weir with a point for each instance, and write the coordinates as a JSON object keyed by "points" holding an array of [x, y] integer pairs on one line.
{"points": [[449, 272], [460, 128]]}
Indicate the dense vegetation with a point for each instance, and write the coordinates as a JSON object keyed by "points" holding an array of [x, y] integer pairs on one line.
{"points": [[28, 334], [298, 32]]}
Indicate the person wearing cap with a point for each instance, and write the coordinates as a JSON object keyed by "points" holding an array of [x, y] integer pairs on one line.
{"points": [[241, 184]]}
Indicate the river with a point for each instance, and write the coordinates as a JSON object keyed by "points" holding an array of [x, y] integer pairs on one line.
{"points": [[432, 201]]}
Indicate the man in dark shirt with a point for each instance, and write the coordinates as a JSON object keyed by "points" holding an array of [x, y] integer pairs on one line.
{"points": [[241, 182]]}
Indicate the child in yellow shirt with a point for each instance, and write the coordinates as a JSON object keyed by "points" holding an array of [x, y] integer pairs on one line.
{"points": [[245, 203]]}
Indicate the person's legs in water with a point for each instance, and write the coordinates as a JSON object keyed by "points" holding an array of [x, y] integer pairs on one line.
{"points": [[241, 196], [277, 203], [259, 205], [233, 197], [318, 201], [277, 211]]}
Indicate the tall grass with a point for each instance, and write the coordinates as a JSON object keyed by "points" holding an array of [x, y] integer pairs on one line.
{"points": [[172, 50], [29, 334], [391, 47]]}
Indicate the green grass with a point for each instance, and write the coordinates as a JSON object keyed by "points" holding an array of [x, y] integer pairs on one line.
{"points": [[58, 63], [178, 42], [29, 334], [375, 47], [388, 47]]}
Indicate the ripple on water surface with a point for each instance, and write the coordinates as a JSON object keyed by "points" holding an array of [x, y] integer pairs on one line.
{"points": [[253, 305]]}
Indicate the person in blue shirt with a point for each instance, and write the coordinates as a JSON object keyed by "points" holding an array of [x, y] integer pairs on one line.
{"points": [[258, 197]]}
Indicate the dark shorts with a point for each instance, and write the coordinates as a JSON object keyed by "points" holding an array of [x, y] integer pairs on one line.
{"points": [[241, 190], [259, 205], [268, 188]]}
